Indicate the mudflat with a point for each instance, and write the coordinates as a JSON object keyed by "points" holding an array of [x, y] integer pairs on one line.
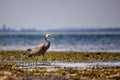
{"points": [[9, 68]]}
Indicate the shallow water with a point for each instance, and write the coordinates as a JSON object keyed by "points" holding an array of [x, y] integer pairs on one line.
{"points": [[62, 42], [55, 65]]}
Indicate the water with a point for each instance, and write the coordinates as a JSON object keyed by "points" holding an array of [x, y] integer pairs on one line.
{"points": [[56, 65], [62, 41], [51, 66]]}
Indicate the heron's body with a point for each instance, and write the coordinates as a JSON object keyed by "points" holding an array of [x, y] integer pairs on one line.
{"points": [[41, 48]]}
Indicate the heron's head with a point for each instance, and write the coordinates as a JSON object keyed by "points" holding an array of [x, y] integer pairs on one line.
{"points": [[47, 36]]}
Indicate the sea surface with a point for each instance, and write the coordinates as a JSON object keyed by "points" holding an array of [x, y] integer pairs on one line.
{"points": [[63, 41]]}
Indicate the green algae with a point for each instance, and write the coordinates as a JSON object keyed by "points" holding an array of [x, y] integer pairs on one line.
{"points": [[69, 56]]}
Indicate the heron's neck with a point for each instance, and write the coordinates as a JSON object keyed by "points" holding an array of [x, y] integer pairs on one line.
{"points": [[48, 43], [47, 40]]}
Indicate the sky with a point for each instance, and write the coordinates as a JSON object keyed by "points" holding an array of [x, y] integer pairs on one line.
{"points": [[60, 14]]}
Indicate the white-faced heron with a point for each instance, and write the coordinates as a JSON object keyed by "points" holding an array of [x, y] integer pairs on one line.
{"points": [[41, 48]]}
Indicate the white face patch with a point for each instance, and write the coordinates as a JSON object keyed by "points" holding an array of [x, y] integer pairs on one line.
{"points": [[48, 35]]}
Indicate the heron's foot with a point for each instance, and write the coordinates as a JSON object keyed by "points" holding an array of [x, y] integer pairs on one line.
{"points": [[46, 63], [44, 60]]}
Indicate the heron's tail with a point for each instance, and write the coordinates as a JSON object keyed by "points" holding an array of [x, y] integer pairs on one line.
{"points": [[31, 54], [29, 49]]}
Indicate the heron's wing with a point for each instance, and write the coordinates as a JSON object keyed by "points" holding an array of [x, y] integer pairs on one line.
{"points": [[37, 50]]}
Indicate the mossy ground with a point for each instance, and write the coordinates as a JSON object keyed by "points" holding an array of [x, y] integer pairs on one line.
{"points": [[69, 56], [11, 72]]}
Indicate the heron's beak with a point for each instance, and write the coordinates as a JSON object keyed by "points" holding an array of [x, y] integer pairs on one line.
{"points": [[52, 37]]}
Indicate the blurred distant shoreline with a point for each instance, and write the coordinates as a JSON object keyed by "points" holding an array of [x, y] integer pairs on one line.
{"points": [[75, 31], [5, 29]]}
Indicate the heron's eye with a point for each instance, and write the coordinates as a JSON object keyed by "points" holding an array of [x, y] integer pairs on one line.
{"points": [[49, 35]]}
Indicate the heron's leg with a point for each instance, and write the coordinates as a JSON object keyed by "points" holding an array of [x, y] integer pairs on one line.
{"points": [[44, 58], [35, 62]]}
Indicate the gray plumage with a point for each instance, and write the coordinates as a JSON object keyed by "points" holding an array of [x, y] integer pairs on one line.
{"points": [[42, 48]]}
